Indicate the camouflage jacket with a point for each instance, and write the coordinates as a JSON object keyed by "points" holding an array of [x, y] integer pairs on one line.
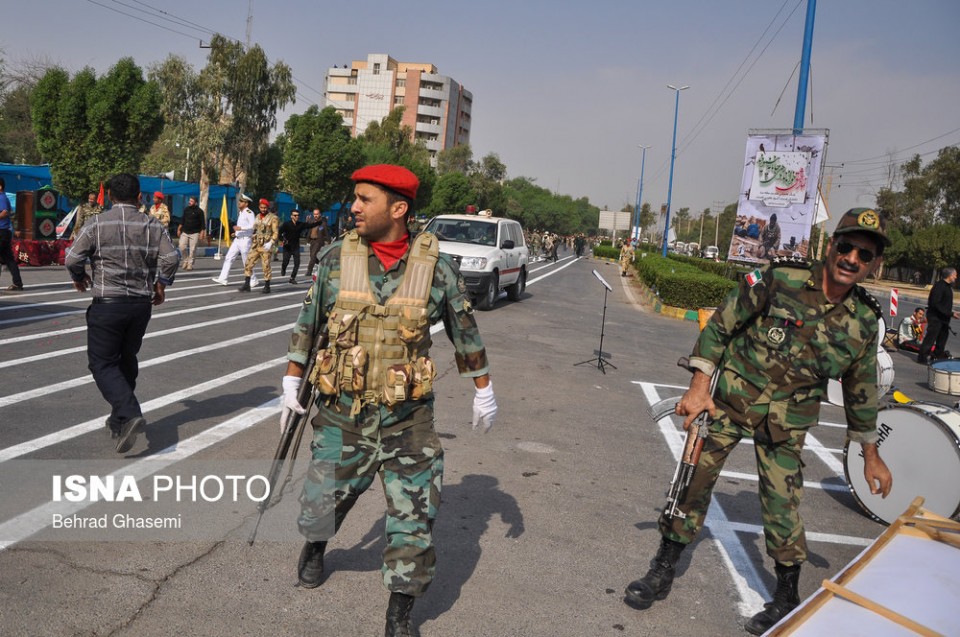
{"points": [[448, 302], [162, 213], [265, 228], [777, 343], [84, 212]]}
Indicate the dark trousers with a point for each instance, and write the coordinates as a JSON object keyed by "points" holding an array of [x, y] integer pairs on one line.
{"points": [[114, 335], [315, 247], [937, 333], [8, 258], [292, 251]]}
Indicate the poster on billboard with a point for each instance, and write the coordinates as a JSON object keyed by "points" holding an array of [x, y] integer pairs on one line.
{"points": [[778, 194]]}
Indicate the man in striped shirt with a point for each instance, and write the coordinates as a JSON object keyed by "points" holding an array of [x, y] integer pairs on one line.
{"points": [[132, 261]]}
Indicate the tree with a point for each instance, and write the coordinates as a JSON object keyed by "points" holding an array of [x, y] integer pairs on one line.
{"points": [[456, 159], [89, 128], [318, 158], [225, 113], [451, 194], [930, 194], [18, 143]]}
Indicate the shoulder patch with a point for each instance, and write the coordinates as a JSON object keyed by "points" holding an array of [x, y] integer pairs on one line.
{"points": [[793, 262], [870, 300]]}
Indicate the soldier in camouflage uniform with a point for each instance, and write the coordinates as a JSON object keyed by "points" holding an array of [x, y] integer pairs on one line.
{"points": [[775, 342], [160, 211], [627, 256], [84, 212], [378, 292], [266, 228]]}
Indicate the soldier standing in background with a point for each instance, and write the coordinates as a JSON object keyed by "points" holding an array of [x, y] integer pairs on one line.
{"points": [[266, 228], [86, 210], [774, 342], [160, 211], [378, 291], [627, 255]]}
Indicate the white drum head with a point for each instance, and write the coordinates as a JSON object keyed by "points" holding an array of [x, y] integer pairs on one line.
{"points": [[920, 443]]}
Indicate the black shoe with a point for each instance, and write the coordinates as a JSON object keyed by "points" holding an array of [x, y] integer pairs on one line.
{"points": [[658, 581], [785, 599], [266, 287], [113, 425], [246, 285], [310, 564], [293, 281], [398, 617], [128, 433], [15, 288]]}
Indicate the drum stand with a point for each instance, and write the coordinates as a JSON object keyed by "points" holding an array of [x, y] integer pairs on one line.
{"points": [[600, 360]]}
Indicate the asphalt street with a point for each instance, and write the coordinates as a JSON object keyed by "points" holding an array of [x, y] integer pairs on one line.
{"points": [[545, 519]]}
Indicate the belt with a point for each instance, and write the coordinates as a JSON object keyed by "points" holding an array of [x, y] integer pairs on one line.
{"points": [[122, 299]]}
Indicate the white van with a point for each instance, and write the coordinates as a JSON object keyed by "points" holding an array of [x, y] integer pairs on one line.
{"points": [[491, 252]]}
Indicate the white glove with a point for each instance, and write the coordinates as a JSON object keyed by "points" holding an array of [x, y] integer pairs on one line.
{"points": [[289, 402], [484, 408], [268, 245]]}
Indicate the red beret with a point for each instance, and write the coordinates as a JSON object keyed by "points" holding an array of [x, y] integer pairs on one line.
{"points": [[158, 194], [264, 202], [395, 178]]}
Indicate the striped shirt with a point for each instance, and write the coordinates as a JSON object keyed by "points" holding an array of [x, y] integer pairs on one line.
{"points": [[128, 251]]}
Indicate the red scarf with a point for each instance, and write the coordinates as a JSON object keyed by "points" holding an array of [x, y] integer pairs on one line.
{"points": [[389, 252]]}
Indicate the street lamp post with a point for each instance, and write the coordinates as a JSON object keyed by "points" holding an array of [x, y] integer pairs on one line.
{"points": [[636, 211], [673, 159]]}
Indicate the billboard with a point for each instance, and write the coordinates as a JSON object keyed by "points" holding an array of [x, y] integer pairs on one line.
{"points": [[778, 193]]}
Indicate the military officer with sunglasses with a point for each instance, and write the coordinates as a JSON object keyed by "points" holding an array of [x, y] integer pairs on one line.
{"points": [[775, 341]]}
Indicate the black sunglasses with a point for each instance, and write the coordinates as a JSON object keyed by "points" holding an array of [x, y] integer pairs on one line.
{"points": [[845, 247]]}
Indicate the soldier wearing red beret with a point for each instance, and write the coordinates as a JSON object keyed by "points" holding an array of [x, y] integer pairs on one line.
{"points": [[377, 292], [266, 228], [160, 211]]}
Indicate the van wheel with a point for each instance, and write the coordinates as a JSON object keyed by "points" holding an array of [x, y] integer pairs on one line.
{"points": [[489, 297], [515, 291]]}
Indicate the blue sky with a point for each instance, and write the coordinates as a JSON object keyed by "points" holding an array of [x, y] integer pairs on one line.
{"points": [[564, 91]]}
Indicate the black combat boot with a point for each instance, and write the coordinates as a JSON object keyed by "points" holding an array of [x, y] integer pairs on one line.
{"points": [[266, 287], [785, 599], [310, 564], [246, 285], [656, 584], [398, 617]]}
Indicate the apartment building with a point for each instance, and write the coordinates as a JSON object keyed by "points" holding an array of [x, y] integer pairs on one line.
{"points": [[437, 108]]}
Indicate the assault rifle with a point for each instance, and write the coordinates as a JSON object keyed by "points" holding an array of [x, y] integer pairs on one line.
{"points": [[692, 446], [290, 438]]}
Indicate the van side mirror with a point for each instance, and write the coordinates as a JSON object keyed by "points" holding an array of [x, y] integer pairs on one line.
{"points": [[507, 244]]}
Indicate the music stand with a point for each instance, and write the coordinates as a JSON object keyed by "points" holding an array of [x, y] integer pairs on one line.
{"points": [[600, 360]]}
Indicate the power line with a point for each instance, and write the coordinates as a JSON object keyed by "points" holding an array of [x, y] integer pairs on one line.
{"points": [[886, 158]]}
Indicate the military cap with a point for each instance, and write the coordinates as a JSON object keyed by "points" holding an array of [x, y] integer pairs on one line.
{"points": [[395, 178], [865, 220], [264, 202], [246, 198], [158, 195]]}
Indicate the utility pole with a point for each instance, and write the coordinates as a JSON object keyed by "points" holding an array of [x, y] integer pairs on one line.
{"points": [[718, 207], [249, 23]]}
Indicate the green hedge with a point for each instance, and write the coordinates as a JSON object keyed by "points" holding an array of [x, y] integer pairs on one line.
{"points": [[682, 284], [606, 251], [725, 269]]}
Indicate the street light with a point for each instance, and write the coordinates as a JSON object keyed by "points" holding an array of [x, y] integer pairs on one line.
{"points": [[636, 211], [673, 158]]}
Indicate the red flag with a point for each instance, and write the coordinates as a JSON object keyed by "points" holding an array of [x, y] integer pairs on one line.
{"points": [[100, 196]]}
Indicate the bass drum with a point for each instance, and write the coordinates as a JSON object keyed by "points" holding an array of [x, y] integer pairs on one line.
{"points": [[920, 443]]}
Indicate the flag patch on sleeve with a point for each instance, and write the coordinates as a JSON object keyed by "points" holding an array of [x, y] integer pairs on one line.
{"points": [[754, 277]]}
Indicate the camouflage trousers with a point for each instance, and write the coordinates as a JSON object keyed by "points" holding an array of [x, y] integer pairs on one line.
{"points": [[257, 252], [410, 465], [781, 489]]}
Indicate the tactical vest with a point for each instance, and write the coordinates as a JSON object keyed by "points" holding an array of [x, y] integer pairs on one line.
{"points": [[378, 354]]}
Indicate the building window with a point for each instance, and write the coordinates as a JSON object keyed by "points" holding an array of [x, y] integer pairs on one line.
{"points": [[401, 82], [376, 68], [398, 100]]}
